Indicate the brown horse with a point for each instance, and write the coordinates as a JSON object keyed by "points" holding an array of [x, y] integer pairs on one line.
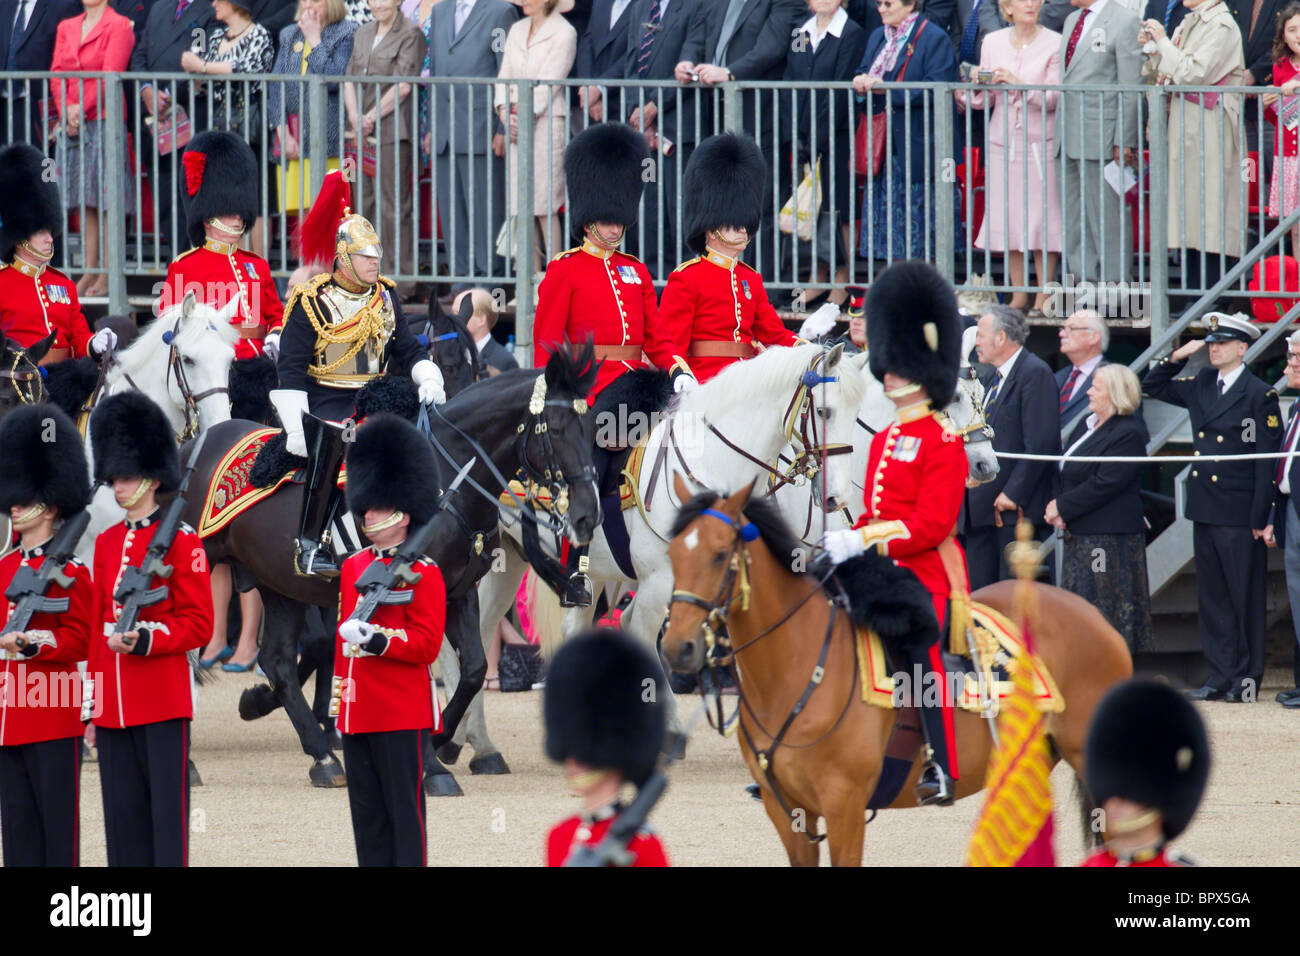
{"points": [[829, 761]]}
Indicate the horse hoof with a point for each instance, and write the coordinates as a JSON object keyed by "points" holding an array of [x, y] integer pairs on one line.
{"points": [[441, 785], [449, 753], [334, 739], [257, 702], [675, 746], [327, 773], [194, 779], [492, 763]]}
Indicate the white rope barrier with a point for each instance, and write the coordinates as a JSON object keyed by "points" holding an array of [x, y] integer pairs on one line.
{"points": [[1149, 459]]}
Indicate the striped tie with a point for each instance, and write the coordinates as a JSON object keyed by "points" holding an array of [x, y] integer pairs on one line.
{"points": [[1067, 390], [1286, 444], [993, 392], [647, 40]]}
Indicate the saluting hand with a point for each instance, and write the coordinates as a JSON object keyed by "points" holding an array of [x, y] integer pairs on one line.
{"points": [[1191, 348]]}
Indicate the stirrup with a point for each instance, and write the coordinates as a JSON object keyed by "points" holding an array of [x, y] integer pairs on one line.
{"points": [[936, 787], [577, 591], [311, 560]]}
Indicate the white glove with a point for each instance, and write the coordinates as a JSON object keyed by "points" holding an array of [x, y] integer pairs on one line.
{"points": [[428, 377], [684, 383], [356, 632], [842, 544], [271, 346], [820, 322], [289, 405], [103, 342]]}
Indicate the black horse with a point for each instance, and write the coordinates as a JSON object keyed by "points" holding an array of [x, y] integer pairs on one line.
{"points": [[508, 423], [22, 381], [450, 345]]}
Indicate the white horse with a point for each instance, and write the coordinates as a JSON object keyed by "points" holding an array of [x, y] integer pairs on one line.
{"points": [[181, 361], [715, 436]]}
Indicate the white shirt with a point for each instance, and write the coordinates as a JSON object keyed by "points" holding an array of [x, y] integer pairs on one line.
{"points": [[834, 28], [616, 11], [1092, 427], [1097, 7], [1005, 368], [24, 13], [1229, 379], [1086, 369], [481, 344], [463, 9]]}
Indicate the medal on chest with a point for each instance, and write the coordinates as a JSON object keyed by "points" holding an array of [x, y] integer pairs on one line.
{"points": [[57, 293], [250, 270], [627, 274], [744, 287], [907, 448]]}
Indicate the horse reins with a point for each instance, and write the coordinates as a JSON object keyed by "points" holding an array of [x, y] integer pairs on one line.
{"points": [[32, 395]]}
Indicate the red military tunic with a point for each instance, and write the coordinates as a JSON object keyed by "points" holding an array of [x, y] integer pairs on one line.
{"points": [[38, 300], [606, 294], [916, 476], [392, 690], [218, 271], [714, 299], [153, 684], [1152, 857], [40, 696], [590, 828]]}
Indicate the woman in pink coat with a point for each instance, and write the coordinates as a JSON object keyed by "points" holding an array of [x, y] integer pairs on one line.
{"points": [[1022, 210]]}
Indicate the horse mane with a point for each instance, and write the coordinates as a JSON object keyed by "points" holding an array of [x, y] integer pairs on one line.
{"points": [[573, 368], [763, 513], [751, 382], [189, 339]]}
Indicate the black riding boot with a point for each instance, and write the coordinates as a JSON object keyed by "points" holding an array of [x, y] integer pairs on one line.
{"points": [[576, 587], [325, 450], [937, 785]]}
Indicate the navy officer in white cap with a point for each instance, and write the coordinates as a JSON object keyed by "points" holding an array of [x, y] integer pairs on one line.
{"points": [[1233, 413]]}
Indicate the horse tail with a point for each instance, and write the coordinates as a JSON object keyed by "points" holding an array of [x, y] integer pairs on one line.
{"points": [[547, 615]]}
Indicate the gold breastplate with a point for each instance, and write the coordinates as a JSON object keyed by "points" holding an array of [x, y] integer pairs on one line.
{"points": [[352, 334]]}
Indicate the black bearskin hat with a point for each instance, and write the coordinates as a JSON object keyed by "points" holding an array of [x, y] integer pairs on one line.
{"points": [[725, 184], [44, 460], [604, 704], [603, 166], [220, 173], [1148, 744], [131, 437], [913, 329], [28, 201], [391, 465]]}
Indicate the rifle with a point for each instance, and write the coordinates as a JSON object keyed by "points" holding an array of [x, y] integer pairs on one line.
{"points": [[134, 592], [28, 587], [379, 581], [613, 850]]}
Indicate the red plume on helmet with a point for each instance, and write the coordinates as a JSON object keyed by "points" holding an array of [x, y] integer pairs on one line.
{"points": [[318, 229]]}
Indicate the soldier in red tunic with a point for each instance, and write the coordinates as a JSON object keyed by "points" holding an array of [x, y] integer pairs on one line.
{"points": [[384, 695], [714, 305], [220, 206], [605, 721], [597, 291], [916, 475], [1146, 762], [142, 704], [43, 483], [35, 298]]}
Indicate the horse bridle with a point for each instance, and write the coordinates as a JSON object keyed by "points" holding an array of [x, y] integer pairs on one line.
{"points": [[189, 399], [32, 395], [979, 430]]}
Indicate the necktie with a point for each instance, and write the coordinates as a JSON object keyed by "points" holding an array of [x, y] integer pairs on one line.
{"points": [[970, 34], [1169, 12], [1254, 18], [729, 21], [1221, 388], [462, 11], [181, 7], [1282, 463], [1075, 34], [993, 392], [1067, 390], [648, 40], [16, 37]]}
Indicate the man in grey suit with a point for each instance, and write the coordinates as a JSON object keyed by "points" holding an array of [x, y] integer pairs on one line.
{"points": [[466, 38], [656, 35], [172, 27], [1084, 340], [954, 15], [1099, 45]]}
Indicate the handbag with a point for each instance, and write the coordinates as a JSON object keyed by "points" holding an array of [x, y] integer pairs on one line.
{"points": [[367, 161], [519, 667], [507, 242], [294, 124], [800, 211], [876, 122]]}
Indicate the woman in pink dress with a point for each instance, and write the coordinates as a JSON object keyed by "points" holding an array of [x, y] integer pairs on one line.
{"points": [[1022, 210]]}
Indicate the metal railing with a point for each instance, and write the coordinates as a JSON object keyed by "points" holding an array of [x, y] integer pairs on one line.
{"points": [[430, 174]]}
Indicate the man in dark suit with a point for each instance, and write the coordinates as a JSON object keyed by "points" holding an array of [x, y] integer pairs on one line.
{"points": [[137, 11], [657, 32], [1228, 502], [743, 40], [491, 353], [27, 43], [1084, 340], [1020, 404], [602, 53], [1283, 529], [172, 27]]}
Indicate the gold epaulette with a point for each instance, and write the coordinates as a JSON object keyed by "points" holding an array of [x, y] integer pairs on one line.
{"points": [[391, 283], [688, 262], [566, 252], [187, 252], [307, 288]]}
